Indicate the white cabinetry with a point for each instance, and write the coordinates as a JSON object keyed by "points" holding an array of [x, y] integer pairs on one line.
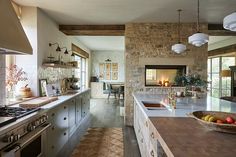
{"points": [[146, 134]]}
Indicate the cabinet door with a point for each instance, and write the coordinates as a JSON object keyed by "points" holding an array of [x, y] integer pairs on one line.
{"points": [[78, 109], [72, 115], [85, 103]]}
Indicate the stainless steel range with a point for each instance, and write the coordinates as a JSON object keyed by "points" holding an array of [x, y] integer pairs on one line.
{"points": [[10, 114], [26, 137]]}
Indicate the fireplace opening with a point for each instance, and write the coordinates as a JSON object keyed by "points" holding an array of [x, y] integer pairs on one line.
{"points": [[163, 75]]}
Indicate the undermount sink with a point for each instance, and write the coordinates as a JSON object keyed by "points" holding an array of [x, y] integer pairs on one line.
{"points": [[153, 106]]}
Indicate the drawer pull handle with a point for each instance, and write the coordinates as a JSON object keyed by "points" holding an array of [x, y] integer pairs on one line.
{"points": [[64, 107], [152, 135], [64, 133], [64, 118], [152, 153]]}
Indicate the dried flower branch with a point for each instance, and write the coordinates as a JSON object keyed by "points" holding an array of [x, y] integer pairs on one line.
{"points": [[14, 74]]}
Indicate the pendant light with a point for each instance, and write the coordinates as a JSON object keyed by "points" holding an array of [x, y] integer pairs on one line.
{"points": [[198, 39], [178, 48], [229, 22]]}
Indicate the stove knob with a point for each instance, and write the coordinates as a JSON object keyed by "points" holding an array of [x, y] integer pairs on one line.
{"points": [[16, 137], [8, 138], [30, 127], [41, 120], [45, 118], [37, 123]]}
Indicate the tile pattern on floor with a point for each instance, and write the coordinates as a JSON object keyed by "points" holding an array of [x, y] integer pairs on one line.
{"points": [[101, 142]]}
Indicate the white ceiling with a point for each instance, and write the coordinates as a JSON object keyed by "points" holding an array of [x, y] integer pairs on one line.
{"points": [[125, 11], [215, 39], [103, 43]]}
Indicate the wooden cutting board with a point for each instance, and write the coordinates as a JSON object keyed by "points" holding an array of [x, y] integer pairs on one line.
{"points": [[37, 102]]}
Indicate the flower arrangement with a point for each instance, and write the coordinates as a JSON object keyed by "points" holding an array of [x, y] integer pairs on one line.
{"points": [[14, 74]]}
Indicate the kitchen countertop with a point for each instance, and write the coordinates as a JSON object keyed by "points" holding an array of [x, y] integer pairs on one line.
{"points": [[185, 137], [182, 136], [184, 105], [44, 109]]}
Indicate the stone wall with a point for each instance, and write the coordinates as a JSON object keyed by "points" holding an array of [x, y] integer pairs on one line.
{"points": [[150, 44]]}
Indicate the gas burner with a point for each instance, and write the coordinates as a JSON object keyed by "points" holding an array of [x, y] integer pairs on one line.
{"points": [[16, 112]]}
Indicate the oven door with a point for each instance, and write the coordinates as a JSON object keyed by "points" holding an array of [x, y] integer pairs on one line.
{"points": [[31, 145]]}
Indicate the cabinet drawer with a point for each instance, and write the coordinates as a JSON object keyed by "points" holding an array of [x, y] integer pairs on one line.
{"points": [[153, 136], [151, 151]]}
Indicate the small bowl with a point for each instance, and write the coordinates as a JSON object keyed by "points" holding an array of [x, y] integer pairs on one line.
{"points": [[227, 128]]}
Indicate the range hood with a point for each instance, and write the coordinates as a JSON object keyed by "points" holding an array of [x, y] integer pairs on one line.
{"points": [[13, 39]]}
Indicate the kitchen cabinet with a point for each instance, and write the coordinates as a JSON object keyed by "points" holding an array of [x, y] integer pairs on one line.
{"points": [[72, 115], [65, 120], [85, 103], [57, 134], [233, 80], [146, 134], [78, 109]]}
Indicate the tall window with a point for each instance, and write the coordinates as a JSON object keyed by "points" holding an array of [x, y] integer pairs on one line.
{"points": [[81, 72], [219, 86]]}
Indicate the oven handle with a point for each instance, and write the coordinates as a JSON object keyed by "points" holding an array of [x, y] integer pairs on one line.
{"points": [[25, 140], [30, 136]]}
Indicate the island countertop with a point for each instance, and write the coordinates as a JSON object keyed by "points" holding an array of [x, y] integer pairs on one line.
{"points": [[184, 105], [182, 136], [185, 137]]}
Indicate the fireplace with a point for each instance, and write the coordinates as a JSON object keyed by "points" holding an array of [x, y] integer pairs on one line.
{"points": [[163, 75]]}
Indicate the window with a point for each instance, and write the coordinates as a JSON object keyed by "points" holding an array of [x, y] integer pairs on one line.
{"points": [[108, 71], [219, 86], [81, 72]]}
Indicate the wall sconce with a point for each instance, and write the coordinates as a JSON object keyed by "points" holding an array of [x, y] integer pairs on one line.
{"points": [[58, 49], [108, 60], [72, 54], [66, 52]]}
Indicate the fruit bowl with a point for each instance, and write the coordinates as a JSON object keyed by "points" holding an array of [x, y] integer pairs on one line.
{"points": [[220, 127]]}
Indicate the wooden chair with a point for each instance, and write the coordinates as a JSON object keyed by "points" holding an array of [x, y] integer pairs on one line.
{"points": [[121, 91], [111, 91]]}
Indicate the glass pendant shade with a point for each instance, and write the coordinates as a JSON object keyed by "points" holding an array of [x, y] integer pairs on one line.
{"points": [[198, 39], [229, 22], [178, 48]]}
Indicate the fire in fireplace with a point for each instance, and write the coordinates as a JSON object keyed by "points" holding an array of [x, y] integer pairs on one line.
{"points": [[163, 75]]}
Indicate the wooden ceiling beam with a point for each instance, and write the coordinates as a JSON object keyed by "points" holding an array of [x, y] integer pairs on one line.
{"points": [[218, 30], [93, 30], [222, 50]]}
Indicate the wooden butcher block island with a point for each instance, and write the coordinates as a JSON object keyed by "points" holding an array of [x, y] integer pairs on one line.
{"points": [[185, 137], [162, 131]]}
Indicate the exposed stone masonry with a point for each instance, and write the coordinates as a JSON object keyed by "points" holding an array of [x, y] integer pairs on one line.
{"points": [[150, 43]]}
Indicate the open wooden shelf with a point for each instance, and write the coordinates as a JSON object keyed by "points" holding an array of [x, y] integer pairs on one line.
{"points": [[53, 65]]}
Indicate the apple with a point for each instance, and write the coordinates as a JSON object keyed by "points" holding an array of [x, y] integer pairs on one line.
{"points": [[229, 120]]}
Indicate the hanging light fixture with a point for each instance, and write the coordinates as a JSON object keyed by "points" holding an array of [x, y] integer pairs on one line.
{"points": [[66, 52], [198, 39], [229, 22], [178, 48]]}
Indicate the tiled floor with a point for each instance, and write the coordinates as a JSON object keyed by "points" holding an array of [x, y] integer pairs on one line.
{"points": [[105, 116], [106, 113], [101, 142]]}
